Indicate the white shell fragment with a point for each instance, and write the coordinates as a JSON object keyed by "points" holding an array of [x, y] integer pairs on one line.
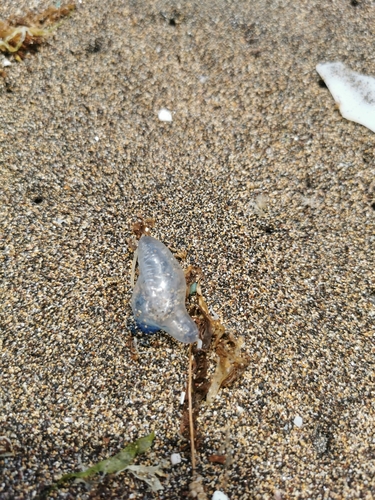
{"points": [[219, 495], [165, 115], [354, 93], [298, 421]]}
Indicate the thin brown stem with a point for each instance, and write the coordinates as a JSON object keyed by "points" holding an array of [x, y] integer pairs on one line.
{"points": [[191, 421]]}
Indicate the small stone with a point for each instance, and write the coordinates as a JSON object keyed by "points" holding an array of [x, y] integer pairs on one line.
{"points": [[175, 458]]}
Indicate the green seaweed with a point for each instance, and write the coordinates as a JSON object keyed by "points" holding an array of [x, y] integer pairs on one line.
{"points": [[111, 465]]}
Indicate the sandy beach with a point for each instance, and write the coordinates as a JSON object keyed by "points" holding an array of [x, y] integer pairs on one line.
{"points": [[268, 189]]}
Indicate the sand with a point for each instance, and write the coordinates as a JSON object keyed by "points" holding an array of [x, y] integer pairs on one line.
{"points": [[83, 154]]}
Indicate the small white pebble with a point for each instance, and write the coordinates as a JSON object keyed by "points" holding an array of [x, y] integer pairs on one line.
{"points": [[182, 398], [96, 138], [298, 421], [203, 79], [199, 344], [68, 420], [219, 495], [165, 115], [6, 62], [175, 458], [240, 410]]}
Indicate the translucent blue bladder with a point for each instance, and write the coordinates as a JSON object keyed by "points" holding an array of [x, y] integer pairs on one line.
{"points": [[158, 301]]}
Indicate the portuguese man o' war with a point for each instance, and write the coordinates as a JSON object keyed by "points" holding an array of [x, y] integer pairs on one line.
{"points": [[158, 301]]}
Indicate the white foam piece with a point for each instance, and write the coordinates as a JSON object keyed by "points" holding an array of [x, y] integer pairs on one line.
{"points": [[165, 115], [353, 92]]}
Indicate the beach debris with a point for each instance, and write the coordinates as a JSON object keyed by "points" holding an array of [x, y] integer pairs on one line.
{"points": [[219, 495], [165, 115], [217, 459], [175, 458], [112, 465], [198, 383], [160, 291], [298, 421], [192, 424], [21, 34], [148, 474], [213, 336], [353, 92], [143, 227], [180, 254], [230, 364], [158, 301]]}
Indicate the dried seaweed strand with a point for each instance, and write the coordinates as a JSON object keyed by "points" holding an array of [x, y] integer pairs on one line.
{"points": [[191, 421], [14, 38], [132, 278]]}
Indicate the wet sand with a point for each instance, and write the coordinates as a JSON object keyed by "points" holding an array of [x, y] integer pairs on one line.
{"points": [[83, 154]]}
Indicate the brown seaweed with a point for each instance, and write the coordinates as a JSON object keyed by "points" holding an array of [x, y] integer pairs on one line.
{"points": [[142, 226], [19, 35]]}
